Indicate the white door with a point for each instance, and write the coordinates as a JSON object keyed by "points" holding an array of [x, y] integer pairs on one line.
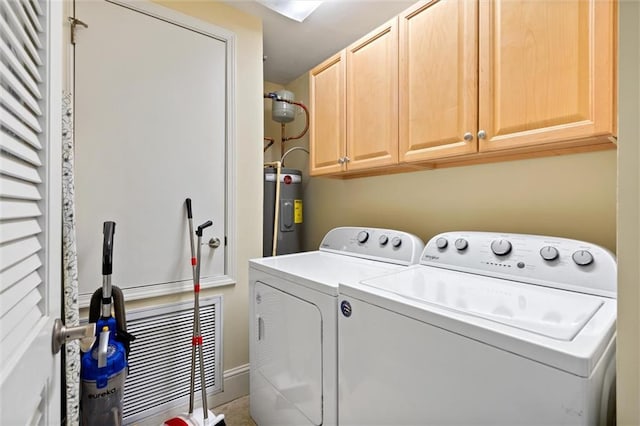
{"points": [[150, 131], [30, 210]]}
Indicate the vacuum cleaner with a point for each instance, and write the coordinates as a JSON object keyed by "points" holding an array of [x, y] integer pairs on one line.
{"points": [[104, 366], [201, 416]]}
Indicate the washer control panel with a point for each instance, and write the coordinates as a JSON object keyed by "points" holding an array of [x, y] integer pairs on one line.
{"points": [[387, 245], [550, 261]]}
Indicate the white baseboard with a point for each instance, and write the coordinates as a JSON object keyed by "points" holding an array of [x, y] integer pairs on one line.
{"points": [[235, 385]]}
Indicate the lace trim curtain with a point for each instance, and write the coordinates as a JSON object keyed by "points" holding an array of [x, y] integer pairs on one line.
{"points": [[70, 265]]}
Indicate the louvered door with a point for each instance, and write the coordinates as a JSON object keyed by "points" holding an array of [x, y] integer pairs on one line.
{"points": [[29, 210]]}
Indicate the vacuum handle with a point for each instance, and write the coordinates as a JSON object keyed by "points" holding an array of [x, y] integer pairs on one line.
{"points": [[108, 229], [189, 213], [201, 227]]}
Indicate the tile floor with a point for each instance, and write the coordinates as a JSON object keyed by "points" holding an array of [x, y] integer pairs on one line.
{"points": [[236, 412]]}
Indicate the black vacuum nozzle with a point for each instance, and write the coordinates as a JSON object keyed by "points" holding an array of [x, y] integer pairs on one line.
{"points": [[108, 229]]}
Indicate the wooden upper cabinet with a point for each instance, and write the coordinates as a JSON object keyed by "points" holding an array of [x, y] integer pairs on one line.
{"points": [[327, 105], [372, 99], [438, 80], [546, 71], [458, 81]]}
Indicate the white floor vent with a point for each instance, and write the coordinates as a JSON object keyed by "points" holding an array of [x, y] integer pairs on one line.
{"points": [[160, 359]]}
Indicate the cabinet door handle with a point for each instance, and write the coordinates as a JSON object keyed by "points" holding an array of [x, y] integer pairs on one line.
{"points": [[347, 159], [482, 134], [468, 136], [341, 160]]}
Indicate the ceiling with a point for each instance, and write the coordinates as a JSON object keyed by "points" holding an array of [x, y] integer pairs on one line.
{"points": [[292, 48]]}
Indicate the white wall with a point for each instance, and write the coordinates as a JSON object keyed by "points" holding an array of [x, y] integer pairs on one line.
{"points": [[628, 345]]}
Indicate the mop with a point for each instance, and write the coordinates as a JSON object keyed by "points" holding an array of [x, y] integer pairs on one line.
{"points": [[201, 416]]}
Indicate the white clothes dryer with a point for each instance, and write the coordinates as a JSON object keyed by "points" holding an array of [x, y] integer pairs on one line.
{"points": [[488, 329], [293, 320]]}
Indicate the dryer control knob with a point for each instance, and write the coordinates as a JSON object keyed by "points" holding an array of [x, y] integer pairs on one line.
{"points": [[363, 236], [383, 240], [501, 247], [582, 258], [396, 242], [442, 243], [461, 244], [549, 253]]}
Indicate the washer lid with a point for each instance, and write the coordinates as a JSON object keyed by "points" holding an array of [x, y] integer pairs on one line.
{"points": [[556, 314], [563, 329]]}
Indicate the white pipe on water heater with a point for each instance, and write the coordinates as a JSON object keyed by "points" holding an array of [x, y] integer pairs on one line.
{"points": [[278, 166]]}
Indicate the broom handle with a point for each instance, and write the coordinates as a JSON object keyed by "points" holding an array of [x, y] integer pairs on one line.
{"points": [[203, 383], [192, 379]]}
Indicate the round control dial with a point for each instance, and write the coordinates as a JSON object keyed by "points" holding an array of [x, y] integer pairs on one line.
{"points": [[396, 242], [363, 236], [442, 243], [549, 253], [383, 240], [582, 258], [501, 247], [461, 244]]}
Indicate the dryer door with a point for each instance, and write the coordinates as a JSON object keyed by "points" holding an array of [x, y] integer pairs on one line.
{"points": [[289, 349]]}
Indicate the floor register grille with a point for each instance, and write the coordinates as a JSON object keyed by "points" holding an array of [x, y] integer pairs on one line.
{"points": [[160, 359]]}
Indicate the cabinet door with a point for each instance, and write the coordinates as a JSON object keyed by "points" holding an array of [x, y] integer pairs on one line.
{"points": [[372, 99], [327, 129], [546, 71], [438, 79]]}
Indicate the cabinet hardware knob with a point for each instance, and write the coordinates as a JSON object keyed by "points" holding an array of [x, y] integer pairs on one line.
{"points": [[482, 134], [341, 160], [347, 159], [468, 136]]}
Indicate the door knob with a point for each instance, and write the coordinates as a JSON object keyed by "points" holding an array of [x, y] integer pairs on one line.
{"points": [[214, 242], [62, 334], [482, 134]]}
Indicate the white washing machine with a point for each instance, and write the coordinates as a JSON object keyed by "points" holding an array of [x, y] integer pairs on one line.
{"points": [[488, 329], [293, 320]]}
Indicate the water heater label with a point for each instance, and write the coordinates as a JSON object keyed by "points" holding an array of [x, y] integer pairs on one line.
{"points": [[297, 211]]}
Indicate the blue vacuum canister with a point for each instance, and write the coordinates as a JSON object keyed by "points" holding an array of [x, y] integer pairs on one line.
{"points": [[104, 367]]}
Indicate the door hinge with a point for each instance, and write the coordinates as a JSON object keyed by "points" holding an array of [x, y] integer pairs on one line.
{"points": [[74, 23]]}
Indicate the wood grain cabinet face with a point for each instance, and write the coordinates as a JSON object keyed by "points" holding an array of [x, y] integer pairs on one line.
{"points": [[354, 105], [327, 105], [372, 99], [452, 82], [546, 71], [438, 80]]}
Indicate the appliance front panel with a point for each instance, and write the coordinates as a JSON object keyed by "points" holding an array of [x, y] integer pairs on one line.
{"points": [[288, 351], [397, 370]]}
